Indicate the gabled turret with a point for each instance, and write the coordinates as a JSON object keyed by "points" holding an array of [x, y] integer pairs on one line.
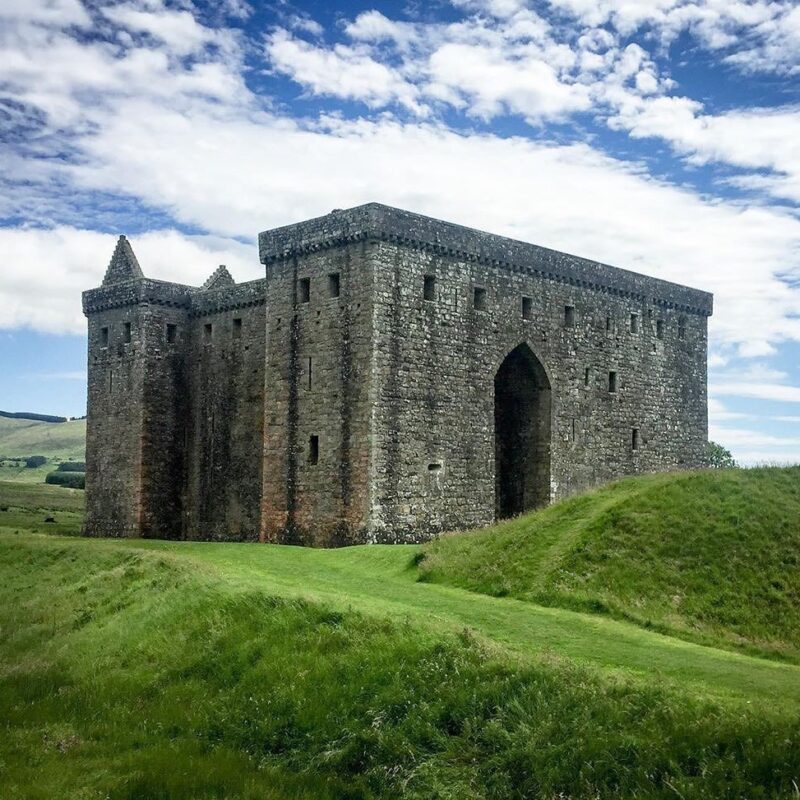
{"points": [[124, 265], [220, 279]]}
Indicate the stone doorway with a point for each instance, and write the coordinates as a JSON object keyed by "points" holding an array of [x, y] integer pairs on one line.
{"points": [[521, 433]]}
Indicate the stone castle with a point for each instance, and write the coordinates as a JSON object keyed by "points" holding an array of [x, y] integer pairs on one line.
{"points": [[391, 377]]}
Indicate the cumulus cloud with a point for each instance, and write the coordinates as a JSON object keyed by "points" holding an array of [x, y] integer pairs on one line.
{"points": [[46, 270], [342, 71]]}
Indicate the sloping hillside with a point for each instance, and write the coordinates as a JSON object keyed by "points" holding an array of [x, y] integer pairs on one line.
{"points": [[24, 437], [712, 556], [195, 670]]}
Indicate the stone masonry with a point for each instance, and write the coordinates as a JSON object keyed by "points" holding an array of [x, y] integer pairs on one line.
{"points": [[392, 376]]}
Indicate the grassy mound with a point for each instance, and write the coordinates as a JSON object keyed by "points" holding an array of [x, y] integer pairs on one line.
{"points": [[169, 672], [711, 556]]}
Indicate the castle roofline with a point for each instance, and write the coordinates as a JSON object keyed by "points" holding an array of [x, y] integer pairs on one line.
{"points": [[378, 222]]}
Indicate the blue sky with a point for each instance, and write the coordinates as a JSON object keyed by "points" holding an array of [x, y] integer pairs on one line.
{"points": [[658, 135]]}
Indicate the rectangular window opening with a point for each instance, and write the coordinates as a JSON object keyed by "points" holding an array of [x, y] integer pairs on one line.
{"points": [[104, 337], [659, 328], [208, 331], [304, 290], [609, 325], [634, 438], [237, 328], [634, 323], [126, 333], [333, 284], [429, 288], [681, 328], [527, 308], [479, 299], [172, 333], [569, 316], [313, 449], [612, 381], [587, 376]]}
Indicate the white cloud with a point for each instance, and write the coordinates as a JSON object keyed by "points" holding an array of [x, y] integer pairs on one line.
{"points": [[778, 392], [343, 71], [46, 270]]}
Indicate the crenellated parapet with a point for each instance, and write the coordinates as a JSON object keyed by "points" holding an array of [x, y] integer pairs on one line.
{"points": [[377, 222]]}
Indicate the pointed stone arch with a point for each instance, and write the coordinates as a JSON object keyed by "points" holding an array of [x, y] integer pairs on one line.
{"points": [[522, 425]]}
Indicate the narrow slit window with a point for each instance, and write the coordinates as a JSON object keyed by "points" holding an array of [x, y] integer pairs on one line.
{"points": [[527, 308], [304, 290], [172, 333], [681, 328], [659, 328], [313, 449], [429, 287], [569, 316], [110, 381], [612, 381], [587, 376], [208, 331], [634, 438], [634, 323], [237, 328], [479, 298], [333, 284], [104, 337], [609, 324], [126, 333], [308, 372]]}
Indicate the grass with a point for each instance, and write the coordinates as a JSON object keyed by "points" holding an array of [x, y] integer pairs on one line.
{"points": [[148, 669], [709, 556], [20, 438]]}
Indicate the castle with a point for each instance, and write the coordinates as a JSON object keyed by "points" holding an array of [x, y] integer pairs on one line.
{"points": [[391, 377]]}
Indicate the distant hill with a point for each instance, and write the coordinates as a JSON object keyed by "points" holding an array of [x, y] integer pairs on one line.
{"points": [[710, 556], [29, 437]]}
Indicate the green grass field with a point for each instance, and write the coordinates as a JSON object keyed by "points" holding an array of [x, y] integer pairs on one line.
{"points": [[20, 438], [708, 556], [146, 669]]}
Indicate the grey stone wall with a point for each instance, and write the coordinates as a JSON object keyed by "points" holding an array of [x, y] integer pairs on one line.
{"points": [[226, 413], [318, 384], [392, 376]]}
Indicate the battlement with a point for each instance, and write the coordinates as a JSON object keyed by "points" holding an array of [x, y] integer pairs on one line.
{"points": [[377, 222]]}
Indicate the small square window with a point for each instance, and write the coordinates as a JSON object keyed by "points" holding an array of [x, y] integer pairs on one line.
{"points": [[333, 284], [527, 308], [208, 331], [429, 287], [237, 328], [612, 382], [172, 333], [659, 328], [313, 449], [104, 337], [569, 316], [634, 323], [479, 298], [634, 438], [304, 290], [126, 333]]}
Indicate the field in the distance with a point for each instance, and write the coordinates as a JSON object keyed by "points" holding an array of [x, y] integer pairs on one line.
{"points": [[133, 669], [57, 441]]}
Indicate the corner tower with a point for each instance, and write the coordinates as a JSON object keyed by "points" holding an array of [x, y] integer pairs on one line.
{"points": [[135, 428]]}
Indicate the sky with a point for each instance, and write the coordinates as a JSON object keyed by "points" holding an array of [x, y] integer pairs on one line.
{"points": [[661, 136]]}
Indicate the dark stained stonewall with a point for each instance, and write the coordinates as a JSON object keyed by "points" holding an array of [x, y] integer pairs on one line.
{"points": [[391, 377]]}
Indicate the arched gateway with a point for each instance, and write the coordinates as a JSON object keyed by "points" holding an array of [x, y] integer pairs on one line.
{"points": [[522, 433]]}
